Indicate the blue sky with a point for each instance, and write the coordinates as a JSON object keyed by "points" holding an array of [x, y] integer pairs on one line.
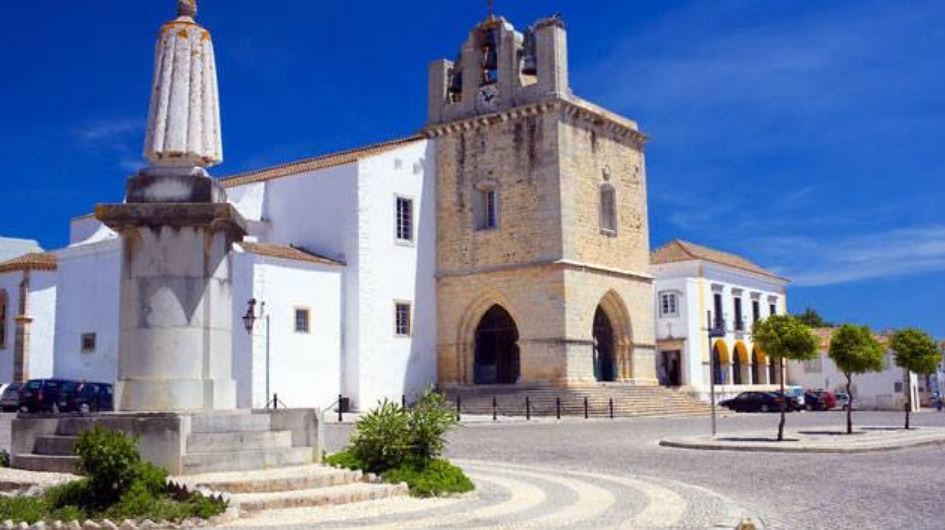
{"points": [[806, 136]]}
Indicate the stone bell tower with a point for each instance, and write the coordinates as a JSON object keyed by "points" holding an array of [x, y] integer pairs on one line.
{"points": [[176, 231], [542, 235]]}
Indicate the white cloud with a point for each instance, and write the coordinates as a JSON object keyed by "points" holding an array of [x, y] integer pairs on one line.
{"points": [[898, 252]]}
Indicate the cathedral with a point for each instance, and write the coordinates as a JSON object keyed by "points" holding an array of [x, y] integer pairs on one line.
{"points": [[505, 243]]}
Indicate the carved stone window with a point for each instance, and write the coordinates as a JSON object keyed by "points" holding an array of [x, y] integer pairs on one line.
{"points": [[608, 209], [487, 207]]}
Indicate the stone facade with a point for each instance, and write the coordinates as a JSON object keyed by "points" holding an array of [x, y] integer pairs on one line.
{"points": [[549, 261]]}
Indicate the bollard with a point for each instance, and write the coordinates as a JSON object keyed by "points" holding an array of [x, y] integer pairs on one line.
{"points": [[528, 408], [610, 404], [459, 405], [340, 413], [495, 406], [403, 401], [557, 408], [585, 407], [275, 400]]}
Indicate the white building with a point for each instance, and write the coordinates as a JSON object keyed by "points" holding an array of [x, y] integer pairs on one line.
{"points": [[340, 259], [884, 390], [695, 285], [27, 306]]}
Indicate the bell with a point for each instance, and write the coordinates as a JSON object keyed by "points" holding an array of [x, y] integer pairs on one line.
{"points": [[530, 62], [456, 82], [492, 59]]}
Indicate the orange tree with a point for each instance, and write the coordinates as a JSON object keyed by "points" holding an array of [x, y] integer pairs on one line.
{"points": [[855, 351], [917, 352], [784, 337]]}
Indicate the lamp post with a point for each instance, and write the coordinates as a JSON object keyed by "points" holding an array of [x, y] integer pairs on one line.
{"points": [[715, 330], [249, 320]]}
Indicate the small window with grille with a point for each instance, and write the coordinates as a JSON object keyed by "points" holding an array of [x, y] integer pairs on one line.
{"points": [[402, 319]]}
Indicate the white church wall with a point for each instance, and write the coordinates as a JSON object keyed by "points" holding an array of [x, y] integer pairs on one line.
{"points": [[87, 302], [42, 307], [391, 271], [304, 368]]}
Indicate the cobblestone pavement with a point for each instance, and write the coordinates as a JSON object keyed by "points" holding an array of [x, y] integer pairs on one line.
{"points": [[897, 489], [528, 496]]}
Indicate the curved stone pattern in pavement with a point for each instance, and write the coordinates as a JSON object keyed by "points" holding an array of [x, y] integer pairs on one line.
{"points": [[520, 496]]}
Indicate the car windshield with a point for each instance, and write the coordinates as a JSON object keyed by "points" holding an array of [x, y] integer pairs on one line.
{"points": [[11, 390], [69, 387], [33, 385]]}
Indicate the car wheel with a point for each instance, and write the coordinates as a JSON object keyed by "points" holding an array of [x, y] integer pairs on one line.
{"points": [[85, 408], [765, 408]]}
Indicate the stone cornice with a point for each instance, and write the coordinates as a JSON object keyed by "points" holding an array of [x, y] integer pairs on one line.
{"points": [[570, 106], [562, 263]]}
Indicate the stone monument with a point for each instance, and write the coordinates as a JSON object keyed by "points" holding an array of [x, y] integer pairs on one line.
{"points": [[177, 229]]}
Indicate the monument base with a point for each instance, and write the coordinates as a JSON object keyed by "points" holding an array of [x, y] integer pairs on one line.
{"points": [[183, 444], [176, 394]]}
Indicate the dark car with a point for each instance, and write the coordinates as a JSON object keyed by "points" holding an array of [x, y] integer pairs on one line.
{"points": [[42, 395], [10, 399], [85, 397], [819, 400], [758, 402], [793, 404]]}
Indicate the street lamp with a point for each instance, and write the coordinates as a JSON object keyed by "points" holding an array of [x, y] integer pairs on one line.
{"points": [[249, 320], [716, 330]]}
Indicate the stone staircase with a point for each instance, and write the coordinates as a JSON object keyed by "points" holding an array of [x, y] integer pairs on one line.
{"points": [[293, 487], [628, 400], [217, 442]]}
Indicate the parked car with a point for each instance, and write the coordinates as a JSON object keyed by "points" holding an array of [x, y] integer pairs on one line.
{"points": [[819, 400], [758, 402], [85, 397], [41, 395], [10, 397], [794, 405], [843, 400]]}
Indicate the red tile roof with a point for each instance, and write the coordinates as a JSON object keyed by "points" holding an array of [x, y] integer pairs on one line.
{"points": [[41, 261], [679, 250]]}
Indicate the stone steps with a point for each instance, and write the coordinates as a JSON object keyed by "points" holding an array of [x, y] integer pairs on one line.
{"points": [[628, 401], [48, 463], [308, 477], [335, 495], [246, 459], [230, 422]]}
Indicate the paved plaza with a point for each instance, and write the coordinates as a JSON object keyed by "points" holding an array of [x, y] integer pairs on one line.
{"points": [[574, 460]]}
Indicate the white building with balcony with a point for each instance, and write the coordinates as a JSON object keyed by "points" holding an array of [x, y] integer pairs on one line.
{"points": [[695, 285]]}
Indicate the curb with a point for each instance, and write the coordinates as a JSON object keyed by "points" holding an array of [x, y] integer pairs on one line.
{"points": [[879, 447]]}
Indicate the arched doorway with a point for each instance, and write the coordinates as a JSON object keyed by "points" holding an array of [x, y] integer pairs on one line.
{"points": [[720, 360], [737, 368], [605, 363], [772, 370], [757, 367], [497, 354]]}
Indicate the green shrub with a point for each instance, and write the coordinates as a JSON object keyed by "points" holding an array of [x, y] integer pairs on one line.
{"points": [[4, 458], [436, 478], [381, 438], [23, 509], [67, 513], [110, 461], [430, 420], [344, 459], [76, 494]]}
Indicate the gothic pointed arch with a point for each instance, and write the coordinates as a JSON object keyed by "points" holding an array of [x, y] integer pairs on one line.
{"points": [[470, 326], [612, 353]]}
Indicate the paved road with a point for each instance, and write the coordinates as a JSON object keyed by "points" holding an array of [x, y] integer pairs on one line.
{"points": [[899, 489]]}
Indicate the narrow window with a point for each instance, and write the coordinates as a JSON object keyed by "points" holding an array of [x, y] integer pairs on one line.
{"points": [[608, 209], [301, 320], [719, 319], [755, 311], [404, 219], [487, 210], [668, 304], [3, 319], [772, 309], [739, 324], [402, 319], [87, 342]]}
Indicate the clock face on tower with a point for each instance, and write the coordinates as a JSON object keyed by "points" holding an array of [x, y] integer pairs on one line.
{"points": [[488, 97]]}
